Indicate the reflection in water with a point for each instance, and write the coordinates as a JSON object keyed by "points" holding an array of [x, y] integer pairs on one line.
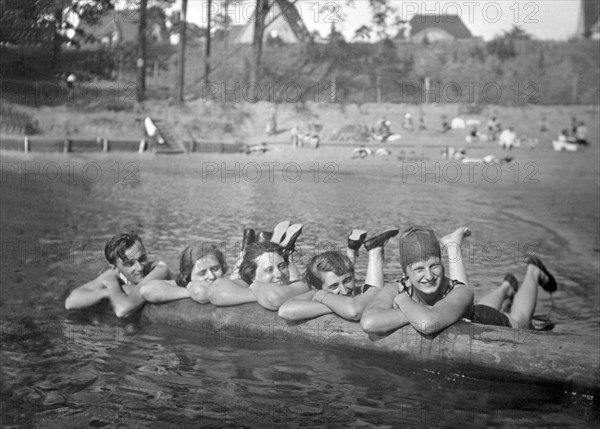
{"points": [[93, 370]]}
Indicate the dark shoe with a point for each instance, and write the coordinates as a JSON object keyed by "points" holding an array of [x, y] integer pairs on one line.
{"points": [[380, 240], [356, 239], [550, 284], [542, 323], [293, 232], [279, 232], [512, 280], [249, 237], [264, 236]]}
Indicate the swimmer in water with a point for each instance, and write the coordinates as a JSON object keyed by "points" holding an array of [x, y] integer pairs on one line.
{"points": [[425, 297], [129, 270], [330, 275], [199, 266], [266, 276]]}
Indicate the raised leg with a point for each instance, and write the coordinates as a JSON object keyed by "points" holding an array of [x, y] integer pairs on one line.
{"points": [[525, 299], [496, 297], [375, 267], [452, 243]]}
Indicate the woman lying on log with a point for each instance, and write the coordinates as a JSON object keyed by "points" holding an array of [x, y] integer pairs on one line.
{"points": [[425, 297], [199, 266], [330, 275], [266, 275], [430, 301]]}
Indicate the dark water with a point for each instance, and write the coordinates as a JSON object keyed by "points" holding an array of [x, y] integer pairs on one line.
{"points": [[82, 370]]}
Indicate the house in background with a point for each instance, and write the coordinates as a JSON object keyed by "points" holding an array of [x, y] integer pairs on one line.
{"points": [[121, 26], [286, 27], [589, 23], [433, 28]]}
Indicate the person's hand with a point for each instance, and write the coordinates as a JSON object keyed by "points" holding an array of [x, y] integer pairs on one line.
{"points": [[398, 300], [198, 291]]}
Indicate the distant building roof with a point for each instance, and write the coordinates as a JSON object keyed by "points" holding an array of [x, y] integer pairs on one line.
{"points": [[589, 18], [115, 27], [434, 27], [284, 22]]}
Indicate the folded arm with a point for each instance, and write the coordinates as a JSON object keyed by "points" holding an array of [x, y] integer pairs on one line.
{"points": [[90, 293], [272, 296], [303, 307], [380, 315], [442, 314], [159, 271], [225, 292], [163, 291], [349, 307]]}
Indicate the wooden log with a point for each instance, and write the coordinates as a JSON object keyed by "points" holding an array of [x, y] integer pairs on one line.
{"points": [[558, 360]]}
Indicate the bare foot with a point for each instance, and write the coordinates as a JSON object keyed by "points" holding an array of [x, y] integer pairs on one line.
{"points": [[456, 237]]}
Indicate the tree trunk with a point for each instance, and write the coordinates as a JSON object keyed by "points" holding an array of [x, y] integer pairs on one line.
{"points": [[262, 6], [182, 42], [207, 55], [56, 38], [141, 61]]}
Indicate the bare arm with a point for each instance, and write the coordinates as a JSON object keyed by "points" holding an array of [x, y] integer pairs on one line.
{"points": [[302, 307], [443, 313], [272, 296], [225, 292], [198, 291], [90, 293], [380, 315], [124, 303], [160, 271], [349, 307], [162, 291]]}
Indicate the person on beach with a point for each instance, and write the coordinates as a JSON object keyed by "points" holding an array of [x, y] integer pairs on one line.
{"points": [[425, 297], [266, 275], [330, 275], [129, 270], [199, 266], [581, 134]]}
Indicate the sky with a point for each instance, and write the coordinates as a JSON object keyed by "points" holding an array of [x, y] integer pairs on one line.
{"points": [[544, 19]]}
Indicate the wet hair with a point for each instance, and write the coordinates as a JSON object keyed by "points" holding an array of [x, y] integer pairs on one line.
{"points": [[251, 254], [116, 247], [330, 261], [191, 255], [418, 243]]}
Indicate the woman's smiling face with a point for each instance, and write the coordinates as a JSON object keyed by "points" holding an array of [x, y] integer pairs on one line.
{"points": [[426, 276], [271, 268]]}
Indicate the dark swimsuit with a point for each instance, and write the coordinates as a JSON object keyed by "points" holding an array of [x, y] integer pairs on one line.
{"points": [[482, 314], [487, 315]]}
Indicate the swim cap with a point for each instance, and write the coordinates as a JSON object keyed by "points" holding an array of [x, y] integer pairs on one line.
{"points": [[418, 243]]}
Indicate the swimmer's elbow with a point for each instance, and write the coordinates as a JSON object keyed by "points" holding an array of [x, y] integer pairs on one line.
{"points": [[69, 304], [285, 313], [428, 326], [147, 292], [368, 323], [217, 297], [272, 302]]}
